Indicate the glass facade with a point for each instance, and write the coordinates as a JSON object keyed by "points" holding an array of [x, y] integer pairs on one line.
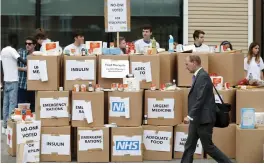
{"points": [[88, 15]]}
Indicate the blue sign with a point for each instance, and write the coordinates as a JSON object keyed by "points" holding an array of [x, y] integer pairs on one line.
{"points": [[247, 118], [127, 145], [118, 107]]}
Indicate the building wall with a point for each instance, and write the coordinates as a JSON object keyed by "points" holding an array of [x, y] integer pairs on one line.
{"points": [[230, 20]]}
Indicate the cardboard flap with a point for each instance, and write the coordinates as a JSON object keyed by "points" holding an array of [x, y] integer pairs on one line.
{"points": [[94, 150]]}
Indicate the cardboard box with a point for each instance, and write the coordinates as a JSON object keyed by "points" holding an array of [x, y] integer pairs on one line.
{"points": [[53, 108], [167, 67], [147, 73], [53, 64], [28, 152], [157, 142], [228, 65], [127, 144], [11, 138], [55, 144], [79, 70], [79, 102], [185, 102], [249, 145], [93, 144], [163, 107], [228, 96], [225, 140], [125, 108], [184, 77], [252, 98], [106, 82], [181, 134]]}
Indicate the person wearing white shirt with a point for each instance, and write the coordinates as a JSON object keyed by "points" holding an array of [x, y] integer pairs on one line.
{"points": [[9, 58], [253, 63], [141, 45], [76, 47], [198, 37], [42, 38]]}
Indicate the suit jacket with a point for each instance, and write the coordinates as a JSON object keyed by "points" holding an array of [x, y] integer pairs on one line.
{"points": [[201, 100]]}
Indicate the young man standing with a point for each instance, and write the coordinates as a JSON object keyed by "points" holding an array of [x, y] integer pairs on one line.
{"points": [[142, 44], [25, 96], [9, 57], [198, 37], [76, 47]]}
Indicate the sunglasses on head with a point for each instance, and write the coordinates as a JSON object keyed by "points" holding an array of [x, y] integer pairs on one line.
{"points": [[28, 44]]}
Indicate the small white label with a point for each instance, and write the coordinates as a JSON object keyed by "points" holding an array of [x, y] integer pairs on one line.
{"points": [[119, 107], [157, 141], [90, 140], [28, 132], [142, 71], [218, 100], [114, 68], [32, 152], [9, 138], [124, 145], [82, 109], [50, 107], [161, 109], [55, 144], [33, 70]]}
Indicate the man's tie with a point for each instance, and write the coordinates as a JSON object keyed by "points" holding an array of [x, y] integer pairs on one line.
{"points": [[193, 79]]}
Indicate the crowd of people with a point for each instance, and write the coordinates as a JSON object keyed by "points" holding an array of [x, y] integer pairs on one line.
{"points": [[14, 62]]}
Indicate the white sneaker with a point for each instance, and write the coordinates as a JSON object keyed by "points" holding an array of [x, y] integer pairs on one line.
{"points": [[4, 130]]}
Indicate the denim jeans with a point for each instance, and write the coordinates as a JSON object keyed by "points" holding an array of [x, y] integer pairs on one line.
{"points": [[10, 100]]}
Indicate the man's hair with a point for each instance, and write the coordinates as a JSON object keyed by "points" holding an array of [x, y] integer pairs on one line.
{"points": [[77, 33], [32, 39], [195, 58], [147, 27], [197, 33]]}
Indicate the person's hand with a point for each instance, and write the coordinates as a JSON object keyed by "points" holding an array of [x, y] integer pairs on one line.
{"points": [[186, 120]]}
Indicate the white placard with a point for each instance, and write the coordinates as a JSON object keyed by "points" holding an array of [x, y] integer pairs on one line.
{"points": [[142, 71], [9, 138], [32, 152], [83, 70], [91, 139], [114, 68], [161, 109], [124, 145], [33, 70], [82, 109], [217, 99], [157, 141], [43, 70], [50, 107], [28, 132], [119, 107], [117, 16], [180, 140], [55, 144]]}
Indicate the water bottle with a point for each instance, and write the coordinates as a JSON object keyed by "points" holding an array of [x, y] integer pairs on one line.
{"points": [[171, 41]]}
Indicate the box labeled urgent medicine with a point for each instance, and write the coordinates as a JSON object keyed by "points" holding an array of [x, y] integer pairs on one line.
{"points": [[127, 144]]}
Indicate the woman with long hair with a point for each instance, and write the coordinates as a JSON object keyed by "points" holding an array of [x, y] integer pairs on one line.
{"points": [[253, 63]]}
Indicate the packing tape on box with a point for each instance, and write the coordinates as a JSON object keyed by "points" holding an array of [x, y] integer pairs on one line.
{"points": [[113, 125]]}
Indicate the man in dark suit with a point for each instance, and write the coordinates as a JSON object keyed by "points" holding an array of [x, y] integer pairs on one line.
{"points": [[201, 113]]}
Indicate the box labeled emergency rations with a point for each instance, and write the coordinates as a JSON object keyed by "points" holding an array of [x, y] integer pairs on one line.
{"points": [[163, 107], [184, 77], [126, 144], [87, 109], [167, 67], [93, 144], [249, 145], [251, 98], [28, 142], [112, 69], [125, 108], [55, 144], [180, 138], [146, 68], [225, 140], [11, 137], [229, 65], [79, 70], [53, 108], [157, 143], [43, 73]]}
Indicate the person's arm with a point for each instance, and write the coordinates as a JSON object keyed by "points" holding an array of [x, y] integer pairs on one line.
{"points": [[262, 75], [22, 60], [261, 69], [245, 67], [16, 56], [201, 86], [22, 69]]}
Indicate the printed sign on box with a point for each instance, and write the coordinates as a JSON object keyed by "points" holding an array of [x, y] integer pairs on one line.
{"points": [[50, 107], [91, 140], [55, 144], [31, 152], [157, 141], [119, 107], [180, 140], [114, 68], [37, 70], [82, 110], [28, 132], [83, 70], [142, 71], [160, 109], [124, 145]]}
